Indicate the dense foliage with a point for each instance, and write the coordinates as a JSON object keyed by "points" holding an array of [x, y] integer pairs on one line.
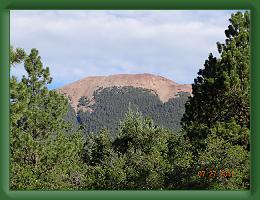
{"points": [[139, 149], [217, 116], [71, 117], [140, 156], [112, 103], [44, 152]]}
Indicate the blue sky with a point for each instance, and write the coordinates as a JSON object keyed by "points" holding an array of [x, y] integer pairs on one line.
{"points": [[76, 44]]}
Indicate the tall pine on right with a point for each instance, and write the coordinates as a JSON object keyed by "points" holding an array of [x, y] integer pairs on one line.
{"points": [[221, 92], [217, 115]]}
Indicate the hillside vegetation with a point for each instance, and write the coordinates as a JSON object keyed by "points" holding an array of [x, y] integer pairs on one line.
{"points": [[112, 103]]}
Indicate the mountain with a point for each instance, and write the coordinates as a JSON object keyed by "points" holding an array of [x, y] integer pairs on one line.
{"points": [[102, 101], [163, 87]]}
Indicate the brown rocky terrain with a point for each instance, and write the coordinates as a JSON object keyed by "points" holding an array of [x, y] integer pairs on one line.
{"points": [[163, 87]]}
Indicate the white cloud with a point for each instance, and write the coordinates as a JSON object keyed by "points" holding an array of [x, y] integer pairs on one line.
{"points": [[75, 44]]}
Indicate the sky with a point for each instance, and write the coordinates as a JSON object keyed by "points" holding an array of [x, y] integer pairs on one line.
{"points": [[76, 44]]}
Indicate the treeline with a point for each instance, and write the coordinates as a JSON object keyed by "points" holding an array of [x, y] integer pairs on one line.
{"points": [[112, 103], [211, 152]]}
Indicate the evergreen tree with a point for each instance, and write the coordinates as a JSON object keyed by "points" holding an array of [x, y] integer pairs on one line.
{"points": [[18, 93], [43, 153], [140, 156], [221, 91], [217, 115], [16, 56], [105, 168], [226, 165]]}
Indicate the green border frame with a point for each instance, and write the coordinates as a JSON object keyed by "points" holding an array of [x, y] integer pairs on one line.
{"points": [[7, 5]]}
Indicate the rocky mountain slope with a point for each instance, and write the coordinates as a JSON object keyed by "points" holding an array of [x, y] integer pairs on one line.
{"points": [[163, 87]]}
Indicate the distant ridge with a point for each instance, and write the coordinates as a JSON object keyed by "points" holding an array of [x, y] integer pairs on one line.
{"points": [[162, 86]]}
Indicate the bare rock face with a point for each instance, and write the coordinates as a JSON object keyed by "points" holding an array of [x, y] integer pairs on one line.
{"points": [[163, 87]]}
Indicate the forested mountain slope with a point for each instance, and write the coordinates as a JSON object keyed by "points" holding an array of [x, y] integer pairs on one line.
{"points": [[101, 101], [112, 103]]}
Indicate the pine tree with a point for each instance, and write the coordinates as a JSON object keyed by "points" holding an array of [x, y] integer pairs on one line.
{"points": [[44, 154], [140, 156], [16, 56], [222, 89], [217, 115], [226, 166], [17, 91]]}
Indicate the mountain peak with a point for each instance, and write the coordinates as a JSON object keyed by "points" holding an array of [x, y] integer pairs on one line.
{"points": [[162, 86]]}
